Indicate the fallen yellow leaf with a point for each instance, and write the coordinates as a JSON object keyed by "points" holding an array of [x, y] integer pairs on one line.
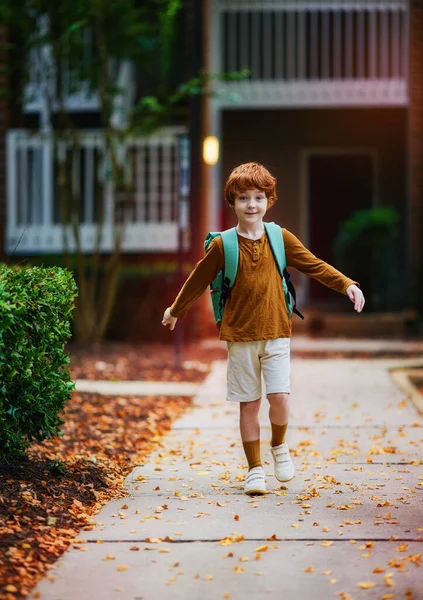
{"points": [[122, 568], [388, 580], [415, 559], [227, 541], [238, 570], [262, 548], [402, 547], [309, 570], [365, 585]]}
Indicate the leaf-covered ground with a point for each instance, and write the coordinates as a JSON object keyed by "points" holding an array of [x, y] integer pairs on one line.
{"points": [[46, 498]]}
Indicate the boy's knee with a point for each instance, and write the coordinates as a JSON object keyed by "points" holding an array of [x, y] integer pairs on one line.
{"points": [[250, 407], [279, 399]]}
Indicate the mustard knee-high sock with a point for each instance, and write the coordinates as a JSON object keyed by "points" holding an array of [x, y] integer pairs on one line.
{"points": [[252, 452], [278, 434]]}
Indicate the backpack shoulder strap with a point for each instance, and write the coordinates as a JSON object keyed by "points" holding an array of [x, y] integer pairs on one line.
{"points": [[230, 251], [274, 233], [209, 238]]}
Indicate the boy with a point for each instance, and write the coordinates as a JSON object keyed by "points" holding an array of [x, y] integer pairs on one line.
{"points": [[256, 324]]}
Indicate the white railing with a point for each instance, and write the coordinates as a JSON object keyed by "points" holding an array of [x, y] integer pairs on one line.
{"points": [[313, 51], [34, 203], [41, 81]]}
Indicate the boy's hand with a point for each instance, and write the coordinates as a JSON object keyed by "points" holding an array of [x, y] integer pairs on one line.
{"points": [[356, 295], [169, 320]]}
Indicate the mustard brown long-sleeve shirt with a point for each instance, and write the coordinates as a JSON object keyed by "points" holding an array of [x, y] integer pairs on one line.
{"points": [[255, 308]]}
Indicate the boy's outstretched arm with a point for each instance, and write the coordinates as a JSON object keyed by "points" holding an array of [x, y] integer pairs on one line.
{"points": [[356, 295], [200, 278], [301, 258], [168, 319]]}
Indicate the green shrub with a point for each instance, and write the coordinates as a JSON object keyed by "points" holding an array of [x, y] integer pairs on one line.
{"points": [[367, 249], [35, 314]]}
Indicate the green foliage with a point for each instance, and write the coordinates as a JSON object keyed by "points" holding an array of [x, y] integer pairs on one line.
{"points": [[89, 38], [150, 112], [366, 248], [35, 315]]}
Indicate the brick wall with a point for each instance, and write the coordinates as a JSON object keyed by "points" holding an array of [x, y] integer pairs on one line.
{"points": [[3, 127], [416, 149]]}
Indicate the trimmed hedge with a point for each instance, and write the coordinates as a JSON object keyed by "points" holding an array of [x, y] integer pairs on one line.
{"points": [[36, 307]]}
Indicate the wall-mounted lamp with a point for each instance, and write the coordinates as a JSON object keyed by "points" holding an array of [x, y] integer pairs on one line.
{"points": [[210, 150]]}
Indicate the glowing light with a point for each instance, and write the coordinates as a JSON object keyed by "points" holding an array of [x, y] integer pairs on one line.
{"points": [[210, 150]]}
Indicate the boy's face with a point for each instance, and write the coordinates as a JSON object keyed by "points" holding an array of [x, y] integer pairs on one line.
{"points": [[250, 207]]}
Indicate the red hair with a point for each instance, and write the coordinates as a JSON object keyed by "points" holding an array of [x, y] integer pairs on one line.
{"points": [[250, 176]]}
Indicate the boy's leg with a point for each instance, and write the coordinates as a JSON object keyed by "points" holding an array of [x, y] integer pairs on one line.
{"points": [[255, 481], [249, 427], [278, 416], [244, 383], [275, 363]]}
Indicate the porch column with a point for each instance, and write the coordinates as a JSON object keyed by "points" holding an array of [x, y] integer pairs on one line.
{"points": [[415, 148], [201, 319]]}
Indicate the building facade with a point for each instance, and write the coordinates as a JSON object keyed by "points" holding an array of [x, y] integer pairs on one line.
{"points": [[332, 105], [327, 104]]}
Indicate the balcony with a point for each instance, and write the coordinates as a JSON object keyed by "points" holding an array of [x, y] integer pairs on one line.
{"points": [[157, 163], [40, 87], [312, 53]]}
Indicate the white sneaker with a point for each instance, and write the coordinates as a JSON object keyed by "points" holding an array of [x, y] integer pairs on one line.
{"points": [[284, 469], [255, 482]]}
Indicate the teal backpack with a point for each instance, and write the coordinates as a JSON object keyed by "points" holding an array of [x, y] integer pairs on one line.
{"points": [[225, 279]]}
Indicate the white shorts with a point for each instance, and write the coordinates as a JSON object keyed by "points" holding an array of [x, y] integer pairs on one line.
{"points": [[249, 361]]}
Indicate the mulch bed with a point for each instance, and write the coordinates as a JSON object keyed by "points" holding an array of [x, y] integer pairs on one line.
{"points": [[146, 362], [48, 497]]}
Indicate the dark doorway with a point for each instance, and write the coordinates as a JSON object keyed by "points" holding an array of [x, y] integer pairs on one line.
{"points": [[338, 185]]}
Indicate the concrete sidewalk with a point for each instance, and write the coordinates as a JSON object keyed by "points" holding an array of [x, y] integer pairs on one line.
{"points": [[187, 531]]}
